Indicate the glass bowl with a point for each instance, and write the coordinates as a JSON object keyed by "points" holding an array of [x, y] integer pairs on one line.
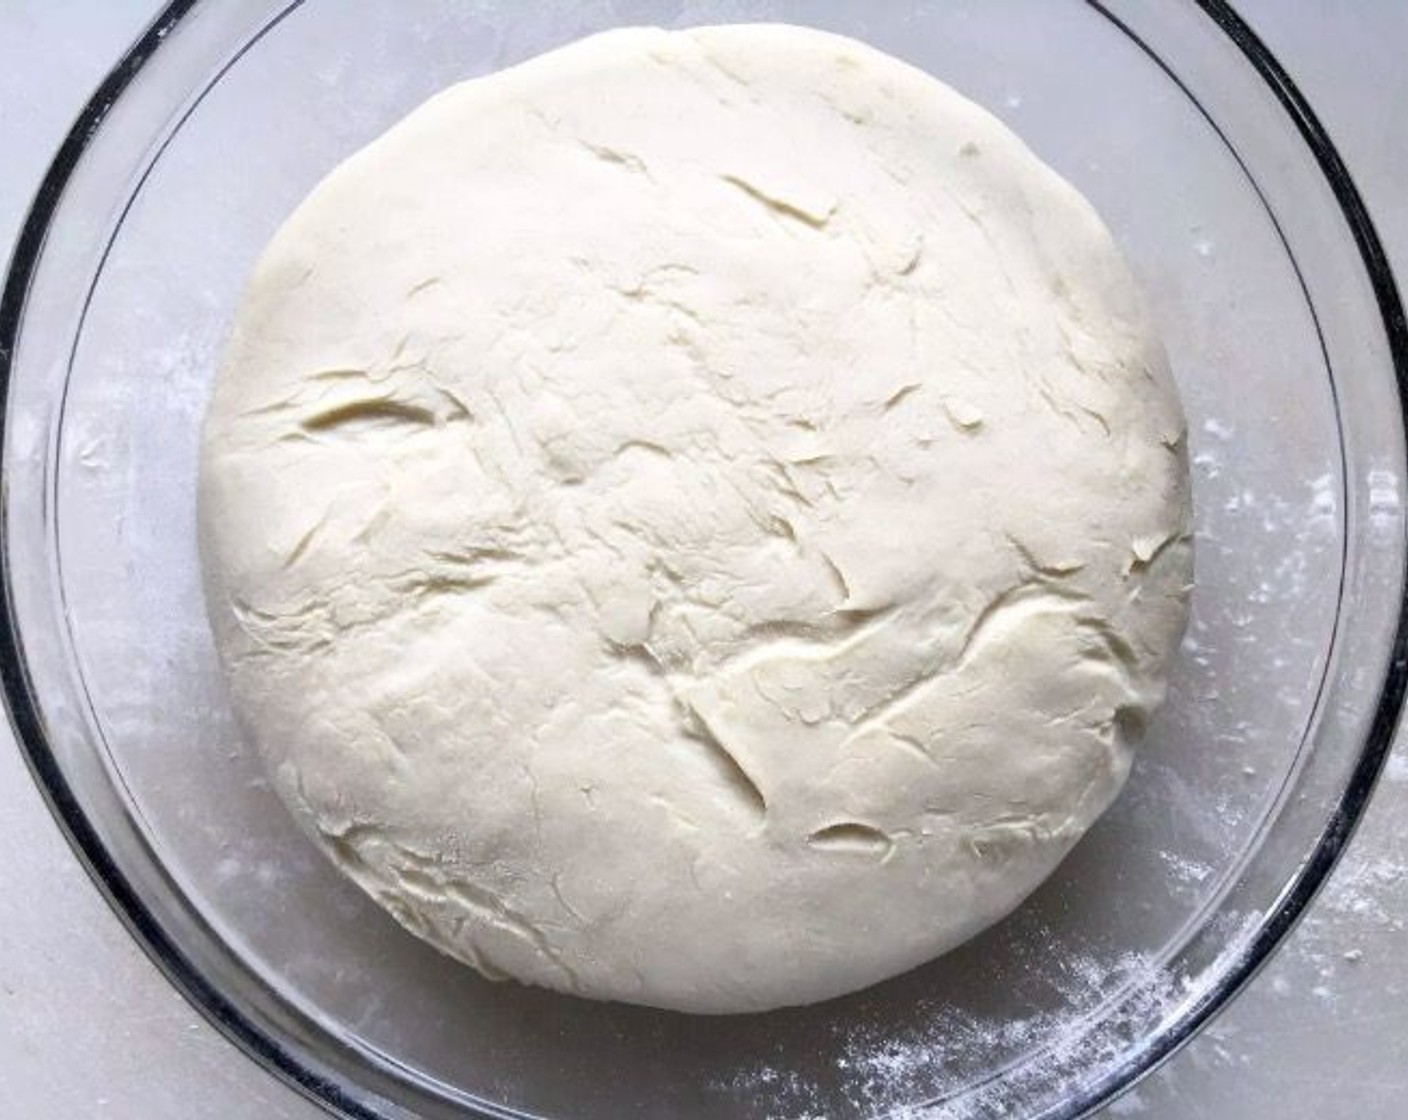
{"points": [[1286, 338]]}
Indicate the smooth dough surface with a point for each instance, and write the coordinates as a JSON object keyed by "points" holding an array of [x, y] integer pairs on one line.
{"points": [[698, 518]]}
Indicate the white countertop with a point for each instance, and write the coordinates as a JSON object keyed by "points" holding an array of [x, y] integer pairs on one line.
{"points": [[89, 1028]]}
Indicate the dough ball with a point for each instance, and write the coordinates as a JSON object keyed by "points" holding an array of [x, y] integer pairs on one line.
{"points": [[699, 518]]}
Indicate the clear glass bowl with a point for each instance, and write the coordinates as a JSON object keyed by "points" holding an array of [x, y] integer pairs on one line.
{"points": [[1286, 338]]}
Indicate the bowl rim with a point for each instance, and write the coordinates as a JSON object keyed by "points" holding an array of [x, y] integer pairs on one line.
{"points": [[266, 1049]]}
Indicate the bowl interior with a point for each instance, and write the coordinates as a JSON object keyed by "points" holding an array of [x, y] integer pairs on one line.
{"points": [[1274, 519]]}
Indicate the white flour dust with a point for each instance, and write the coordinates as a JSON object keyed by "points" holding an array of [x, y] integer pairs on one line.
{"points": [[908, 1078]]}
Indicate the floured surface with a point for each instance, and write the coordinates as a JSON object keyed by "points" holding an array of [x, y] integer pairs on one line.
{"points": [[676, 501]]}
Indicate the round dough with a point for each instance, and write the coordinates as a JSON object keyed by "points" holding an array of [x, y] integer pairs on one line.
{"points": [[697, 519]]}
